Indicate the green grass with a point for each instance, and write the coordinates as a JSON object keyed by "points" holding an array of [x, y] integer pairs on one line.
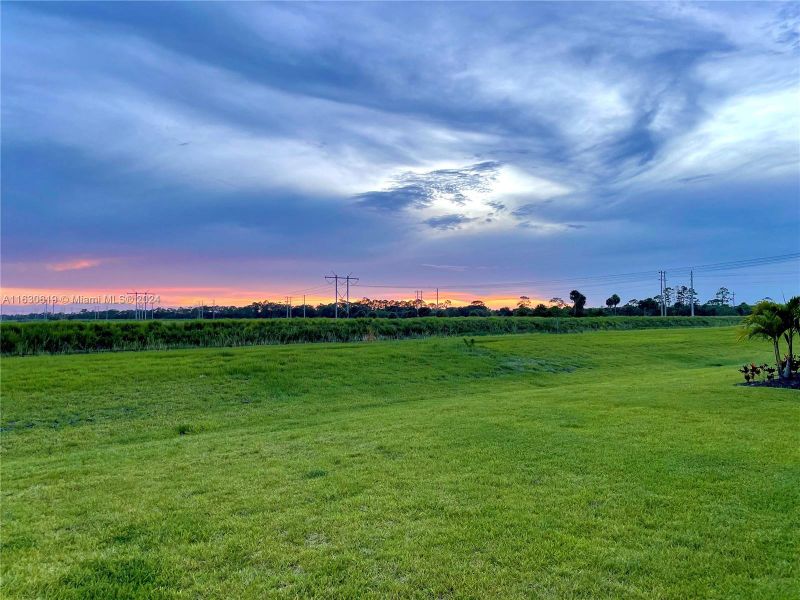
{"points": [[595, 465]]}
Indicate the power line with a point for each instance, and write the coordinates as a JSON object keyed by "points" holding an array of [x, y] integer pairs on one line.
{"points": [[616, 278], [590, 281], [311, 289]]}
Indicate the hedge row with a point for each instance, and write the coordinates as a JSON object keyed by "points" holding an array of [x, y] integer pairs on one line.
{"points": [[88, 336]]}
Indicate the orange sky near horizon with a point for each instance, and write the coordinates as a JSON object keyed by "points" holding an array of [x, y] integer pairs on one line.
{"points": [[72, 299]]}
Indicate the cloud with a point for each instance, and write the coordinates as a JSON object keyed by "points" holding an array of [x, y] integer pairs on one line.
{"points": [[454, 268], [396, 199], [74, 265], [421, 190], [482, 193], [448, 222]]}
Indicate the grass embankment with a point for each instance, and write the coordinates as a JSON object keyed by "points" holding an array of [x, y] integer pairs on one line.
{"points": [[604, 465], [89, 336]]}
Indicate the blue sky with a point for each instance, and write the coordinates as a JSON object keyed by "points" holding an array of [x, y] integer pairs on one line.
{"points": [[246, 149]]}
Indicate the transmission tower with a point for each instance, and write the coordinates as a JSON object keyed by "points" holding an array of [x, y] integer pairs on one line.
{"points": [[336, 298], [335, 278], [348, 279]]}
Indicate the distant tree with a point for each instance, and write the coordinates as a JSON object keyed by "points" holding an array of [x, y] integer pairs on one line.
{"points": [[723, 295], [558, 302], [477, 308], [682, 295], [578, 302], [540, 310], [631, 307], [691, 297], [648, 306], [524, 302], [612, 302]]}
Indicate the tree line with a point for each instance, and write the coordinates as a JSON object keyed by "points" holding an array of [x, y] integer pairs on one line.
{"points": [[678, 303]]}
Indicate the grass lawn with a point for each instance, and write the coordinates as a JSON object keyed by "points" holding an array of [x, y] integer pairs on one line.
{"points": [[595, 465]]}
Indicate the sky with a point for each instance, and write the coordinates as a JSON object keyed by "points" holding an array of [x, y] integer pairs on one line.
{"points": [[243, 151]]}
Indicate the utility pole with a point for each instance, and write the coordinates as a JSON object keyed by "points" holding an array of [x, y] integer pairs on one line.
{"points": [[661, 293], [665, 293], [288, 307], [691, 289], [335, 278], [304, 306], [135, 304], [437, 298], [348, 279]]}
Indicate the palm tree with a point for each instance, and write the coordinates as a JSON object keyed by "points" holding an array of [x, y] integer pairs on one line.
{"points": [[790, 316], [766, 322], [612, 302]]}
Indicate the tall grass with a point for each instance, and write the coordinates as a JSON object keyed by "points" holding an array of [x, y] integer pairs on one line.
{"points": [[77, 336]]}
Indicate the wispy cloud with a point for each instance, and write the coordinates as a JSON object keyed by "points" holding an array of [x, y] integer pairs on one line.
{"points": [[454, 268], [74, 265]]}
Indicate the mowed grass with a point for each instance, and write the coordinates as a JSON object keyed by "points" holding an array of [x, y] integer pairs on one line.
{"points": [[595, 465]]}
